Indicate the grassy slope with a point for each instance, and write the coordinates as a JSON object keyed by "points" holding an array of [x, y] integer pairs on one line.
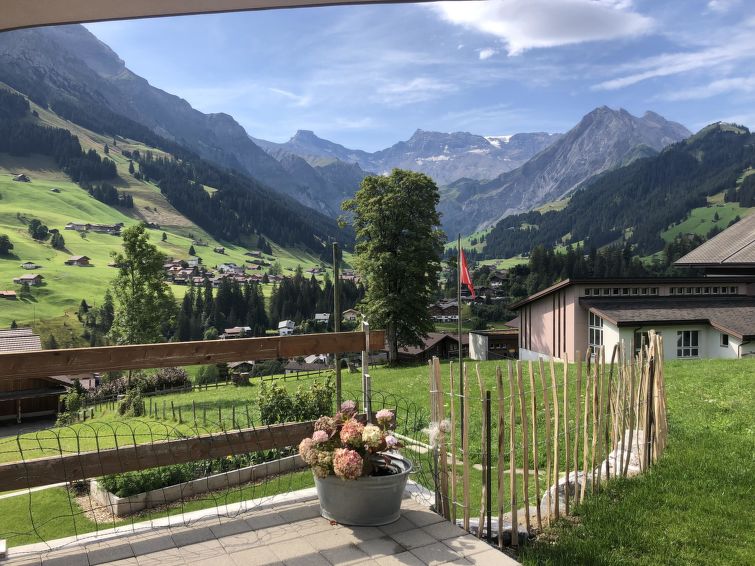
{"points": [[695, 505], [66, 286], [700, 220]]}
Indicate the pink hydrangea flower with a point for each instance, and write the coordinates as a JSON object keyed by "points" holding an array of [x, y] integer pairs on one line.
{"points": [[307, 451], [391, 441], [384, 417], [320, 436], [351, 433], [347, 464], [348, 408], [372, 436], [327, 424]]}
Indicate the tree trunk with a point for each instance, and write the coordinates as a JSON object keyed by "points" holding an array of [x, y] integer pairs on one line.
{"points": [[392, 343]]}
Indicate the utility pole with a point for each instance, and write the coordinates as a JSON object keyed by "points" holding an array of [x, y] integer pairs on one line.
{"points": [[337, 314]]}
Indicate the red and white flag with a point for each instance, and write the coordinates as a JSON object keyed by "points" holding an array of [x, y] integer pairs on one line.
{"points": [[464, 273]]}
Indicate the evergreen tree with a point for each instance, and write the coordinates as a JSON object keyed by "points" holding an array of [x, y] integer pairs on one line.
{"points": [[192, 251], [145, 307], [57, 241], [13, 325], [131, 167], [5, 244], [106, 149], [164, 237], [51, 343], [398, 252]]}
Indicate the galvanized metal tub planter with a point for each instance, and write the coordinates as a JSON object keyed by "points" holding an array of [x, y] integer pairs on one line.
{"points": [[368, 501]]}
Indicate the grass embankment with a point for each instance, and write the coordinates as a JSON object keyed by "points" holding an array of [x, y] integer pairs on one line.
{"points": [[695, 505]]}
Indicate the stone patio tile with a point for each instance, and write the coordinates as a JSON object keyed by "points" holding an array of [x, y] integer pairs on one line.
{"points": [[209, 549], [149, 544], [300, 512], [228, 528], [125, 562], [492, 557], [383, 546], [75, 557], [291, 549], [308, 560], [188, 536], [28, 560], [413, 538], [260, 556], [403, 524], [422, 518], [169, 557], [333, 538], [264, 520], [312, 526], [345, 555], [279, 533], [109, 552], [467, 545], [240, 542], [434, 554], [364, 533], [444, 530], [403, 559]]}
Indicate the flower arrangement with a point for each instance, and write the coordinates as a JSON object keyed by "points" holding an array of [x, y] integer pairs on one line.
{"points": [[345, 446]]}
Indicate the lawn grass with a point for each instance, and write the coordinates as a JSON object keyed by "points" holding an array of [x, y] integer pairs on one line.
{"points": [[695, 505]]}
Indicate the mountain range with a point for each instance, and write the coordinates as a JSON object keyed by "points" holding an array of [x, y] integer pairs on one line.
{"points": [[483, 178]]}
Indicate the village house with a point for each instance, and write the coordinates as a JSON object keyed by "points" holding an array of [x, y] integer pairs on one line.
{"points": [[21, 178], [441, 344], [30, 265], [351, 315], [254, 253], [78, 260], [236, 332], [26, 397], [498, 278], [322, 318], [11, 295], [219, 250], [699, 317], [286, 327], [242, 368], [494, 344], [29, 279], [445, 311]]}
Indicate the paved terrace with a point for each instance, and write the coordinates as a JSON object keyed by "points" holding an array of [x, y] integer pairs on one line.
{"points": [[289, 531]]}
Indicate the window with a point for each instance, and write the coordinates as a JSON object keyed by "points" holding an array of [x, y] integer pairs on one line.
{"points": [[595, 331], [687, 344], [635, 290], [654, 290], [724, 340], [587, 291], [733, 290]]}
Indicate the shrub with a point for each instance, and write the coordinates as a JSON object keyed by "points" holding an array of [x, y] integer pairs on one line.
{"points": [[206, 375], [240, 380], [278, 406], [132, 404]]}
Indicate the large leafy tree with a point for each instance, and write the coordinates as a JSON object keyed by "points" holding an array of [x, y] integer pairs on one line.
{"points": [[5, 244], [398, 253], [144, 304]]}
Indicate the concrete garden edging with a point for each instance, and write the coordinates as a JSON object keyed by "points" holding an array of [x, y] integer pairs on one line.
{"points": [[122, 506]]}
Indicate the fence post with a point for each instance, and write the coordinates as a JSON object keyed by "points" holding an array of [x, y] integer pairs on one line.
{"points": [[366, 384], [180, 419], [173, 411], [452, 394], [536, 464], [548, 439], [465, 447], [577, 416], [489, 481], [512, 457], [525, 447], [441, 415], [483, 455], [501, 443], [554, 389]]}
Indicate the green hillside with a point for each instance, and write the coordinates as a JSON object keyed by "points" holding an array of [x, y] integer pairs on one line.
{"points": [[65, 286]]}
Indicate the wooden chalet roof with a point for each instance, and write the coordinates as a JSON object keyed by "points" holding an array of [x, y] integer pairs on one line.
{"points": [[19, 340], [732, 315], [734, 247]]}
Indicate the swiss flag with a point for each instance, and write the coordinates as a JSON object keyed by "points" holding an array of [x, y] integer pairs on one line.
{"points": [[464, 273]]}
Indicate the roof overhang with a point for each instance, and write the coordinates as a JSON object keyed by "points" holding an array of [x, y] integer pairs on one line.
{"points": [[18, 14]]}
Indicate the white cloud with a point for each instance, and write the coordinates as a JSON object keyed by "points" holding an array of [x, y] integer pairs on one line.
{"points": [[721, 6], [420, 89], [712, 58], [487, 53], [298, 100], [528, 24], [720, 86]]}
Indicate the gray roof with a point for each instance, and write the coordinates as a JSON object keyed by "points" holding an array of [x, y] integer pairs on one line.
{"points": [[19, 340], [733, 247], [734, 315]]}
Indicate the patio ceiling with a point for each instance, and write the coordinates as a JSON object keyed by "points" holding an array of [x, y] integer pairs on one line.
{"points": [[32, 13]]}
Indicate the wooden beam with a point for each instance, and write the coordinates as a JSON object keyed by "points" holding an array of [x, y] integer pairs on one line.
{"points": [[47, 363], [31, 13], [72, 467]]}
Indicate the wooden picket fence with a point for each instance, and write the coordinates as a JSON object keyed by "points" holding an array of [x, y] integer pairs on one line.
{"points": [[543, 424]]}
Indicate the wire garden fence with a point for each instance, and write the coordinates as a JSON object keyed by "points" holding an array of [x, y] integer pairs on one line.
{"points": [[512, 458]]}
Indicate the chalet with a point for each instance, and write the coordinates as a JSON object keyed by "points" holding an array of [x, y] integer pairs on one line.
{"points": [[230, 268], [351, 315], [78, 261], [322, 318], [21, 178], [254, 253], [445, 311], [494, 344], [55, 190], [30, 265], [77, 226], [88, 381], [236, 332], [314, 271], [26, 397], [443, 345], [497, 279], [243, 367], [219, 250], [193, 262], [286, 327], [295, 368], [113, 229], [29, 279], [11, 295]]}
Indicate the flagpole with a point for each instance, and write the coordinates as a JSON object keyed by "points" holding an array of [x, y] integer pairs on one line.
{"points": [[458, 308]]}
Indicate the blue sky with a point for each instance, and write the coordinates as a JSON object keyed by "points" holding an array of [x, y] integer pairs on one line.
{"points": [[368, 76]]}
